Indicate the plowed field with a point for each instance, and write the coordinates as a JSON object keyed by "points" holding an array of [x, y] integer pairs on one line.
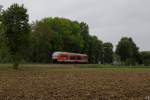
{"points": [[72, 83]]}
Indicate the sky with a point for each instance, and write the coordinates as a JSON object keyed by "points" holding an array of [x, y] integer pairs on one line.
{"points": [[109, 20]]}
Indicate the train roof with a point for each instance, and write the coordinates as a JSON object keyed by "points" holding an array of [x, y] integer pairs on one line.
{"points": [[58, 53]]}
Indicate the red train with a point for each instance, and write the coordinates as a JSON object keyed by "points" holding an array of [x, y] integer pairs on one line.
{"points": [[66, 57]]}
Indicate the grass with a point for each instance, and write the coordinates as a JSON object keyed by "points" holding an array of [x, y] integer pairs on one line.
{"points": [[74, 82], [7, 66], [110, 66]]}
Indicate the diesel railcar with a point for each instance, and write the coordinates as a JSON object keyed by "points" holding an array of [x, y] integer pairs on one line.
{"points": [[67, 57]]}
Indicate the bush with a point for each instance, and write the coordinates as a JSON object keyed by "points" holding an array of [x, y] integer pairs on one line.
{"points": [[146, 62]]}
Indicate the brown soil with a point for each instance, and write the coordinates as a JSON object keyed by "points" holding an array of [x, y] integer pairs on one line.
{"points": [[75, 84]]}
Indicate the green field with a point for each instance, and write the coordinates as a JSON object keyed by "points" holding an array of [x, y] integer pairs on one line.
{"points": [[74, 82]]}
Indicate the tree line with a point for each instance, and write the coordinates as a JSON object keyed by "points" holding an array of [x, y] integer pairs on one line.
{"points": [[35, 42]]}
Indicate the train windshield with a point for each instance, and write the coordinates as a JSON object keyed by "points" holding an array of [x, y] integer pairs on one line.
{"points": [[56, 54]]}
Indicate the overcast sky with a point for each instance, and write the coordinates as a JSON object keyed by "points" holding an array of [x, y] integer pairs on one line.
{"points": [[108, 19]]}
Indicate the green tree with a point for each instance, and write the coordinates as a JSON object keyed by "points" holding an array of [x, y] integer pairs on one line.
{"points": [[55, 34], [84, 31], [127, 49], [40, 44], [60, 34], [145, 57], [4, 54], [107, 53], [92, 45], [16, 31], [95, 50]]}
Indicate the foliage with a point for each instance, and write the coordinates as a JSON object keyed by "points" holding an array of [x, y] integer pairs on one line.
{"points": [[95, 50], [107, 53], [16, 31], [60, 34], [145, 58], [127, 49], [48, 35]]}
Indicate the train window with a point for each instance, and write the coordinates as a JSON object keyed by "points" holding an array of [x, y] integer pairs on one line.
{"points": [[78, 57], [72, 58], [85, 57]]}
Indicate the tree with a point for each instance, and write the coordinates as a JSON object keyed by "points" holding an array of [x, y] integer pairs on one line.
{"points": [[127, 49], [16, 31], [40, 45], [145, 57], [92, 45], [60, 34], [55, 34], [94, 50], [4, 54], [84, 31], [107, 53]]}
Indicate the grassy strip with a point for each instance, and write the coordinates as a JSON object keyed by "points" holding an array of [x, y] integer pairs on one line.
{"points": [[30, 67], [110, 66]]}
